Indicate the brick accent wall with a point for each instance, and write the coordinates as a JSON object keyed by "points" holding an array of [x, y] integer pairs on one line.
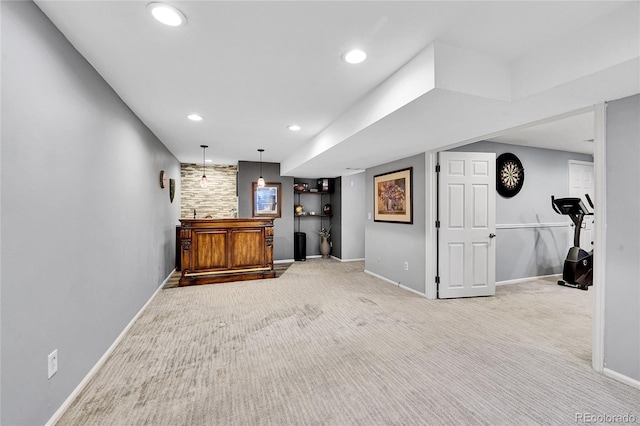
{"points": [[218, 199]]}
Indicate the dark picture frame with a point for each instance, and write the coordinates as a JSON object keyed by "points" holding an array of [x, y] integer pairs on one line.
{"points": [[266, 201], [393, 196]]}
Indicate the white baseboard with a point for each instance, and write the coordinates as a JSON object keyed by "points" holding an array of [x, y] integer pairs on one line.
{"points": [[404, 287], [347, 260], [621, 378], [387, 280], [283, 261], [520, 280], [67, 403]]}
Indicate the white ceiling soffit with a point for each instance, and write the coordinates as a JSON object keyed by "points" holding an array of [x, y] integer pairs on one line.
{"points": [[437, 73]]}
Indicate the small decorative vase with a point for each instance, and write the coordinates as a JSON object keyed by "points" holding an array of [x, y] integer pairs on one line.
{"points": [[325, 248]]}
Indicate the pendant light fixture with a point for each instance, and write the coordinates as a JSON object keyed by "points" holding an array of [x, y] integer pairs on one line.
{"points": [[261, 179], [203, 179]]}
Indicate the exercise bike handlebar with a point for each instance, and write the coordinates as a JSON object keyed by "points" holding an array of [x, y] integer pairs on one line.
{"points": [[553, 204], [589, 201]]}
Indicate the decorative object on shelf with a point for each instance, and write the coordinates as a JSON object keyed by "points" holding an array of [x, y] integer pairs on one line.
{"points": [[266, 199], [326, 209], [325, 185], [299, 210], [393, 196], [172, 189], [203, 179], [509, 175], [261, 181], [301, 187], [325, 232], [325, 247], [163, 179]]}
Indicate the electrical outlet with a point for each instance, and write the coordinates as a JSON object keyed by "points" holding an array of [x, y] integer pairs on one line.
{"points": [[406, 266], [52, 363]]}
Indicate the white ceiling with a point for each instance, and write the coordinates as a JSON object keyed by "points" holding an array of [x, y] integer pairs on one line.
{"points": [[574, 133], [252, 68]]}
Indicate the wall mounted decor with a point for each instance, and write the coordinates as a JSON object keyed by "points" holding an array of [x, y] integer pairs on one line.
{"points": [[266, 200], [163, 179], [509, 175], [393, 197], [172, 189]]}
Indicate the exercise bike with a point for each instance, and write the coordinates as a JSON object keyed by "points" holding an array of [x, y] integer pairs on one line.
{"points": [[578, 266]]}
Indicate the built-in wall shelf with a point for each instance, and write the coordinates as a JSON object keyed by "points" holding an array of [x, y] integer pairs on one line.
{"points": [[312, 204], [312, 195]]}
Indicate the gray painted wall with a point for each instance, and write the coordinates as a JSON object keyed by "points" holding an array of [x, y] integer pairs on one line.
{"points": [[353, 216], [622, 293], [531, 252], [88, 235], [389, 245], [248, 172]]}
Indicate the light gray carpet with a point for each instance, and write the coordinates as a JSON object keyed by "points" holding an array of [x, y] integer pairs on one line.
{"points": [[326, 344]]}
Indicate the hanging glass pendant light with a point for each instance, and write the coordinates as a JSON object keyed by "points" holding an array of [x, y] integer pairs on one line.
{"points": [[261, 179], [203, 179]]}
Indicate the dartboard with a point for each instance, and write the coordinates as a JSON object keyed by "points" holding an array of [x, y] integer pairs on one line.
{"points": [[510, 175]]}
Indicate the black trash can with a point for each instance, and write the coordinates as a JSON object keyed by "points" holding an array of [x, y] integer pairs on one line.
{"points": [[299, 246]]}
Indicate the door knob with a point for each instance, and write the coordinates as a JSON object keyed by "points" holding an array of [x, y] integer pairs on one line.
{"points": [[492, 235]]}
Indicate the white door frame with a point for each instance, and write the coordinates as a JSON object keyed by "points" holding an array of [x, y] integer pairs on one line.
{"points": [[599, 237], [600, 201], [431, 209]]}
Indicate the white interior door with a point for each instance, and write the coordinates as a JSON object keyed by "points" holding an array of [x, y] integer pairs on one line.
{"points": [[467, 214], [580, 183]]}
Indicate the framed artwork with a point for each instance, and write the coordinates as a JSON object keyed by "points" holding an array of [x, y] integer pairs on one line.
{"points": [[393, 197], [266, 200]]}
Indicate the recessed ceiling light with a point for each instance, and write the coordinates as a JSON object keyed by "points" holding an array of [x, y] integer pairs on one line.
{"points": [[294, 127], [194, 117], [355, 56], [167, 14]]}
